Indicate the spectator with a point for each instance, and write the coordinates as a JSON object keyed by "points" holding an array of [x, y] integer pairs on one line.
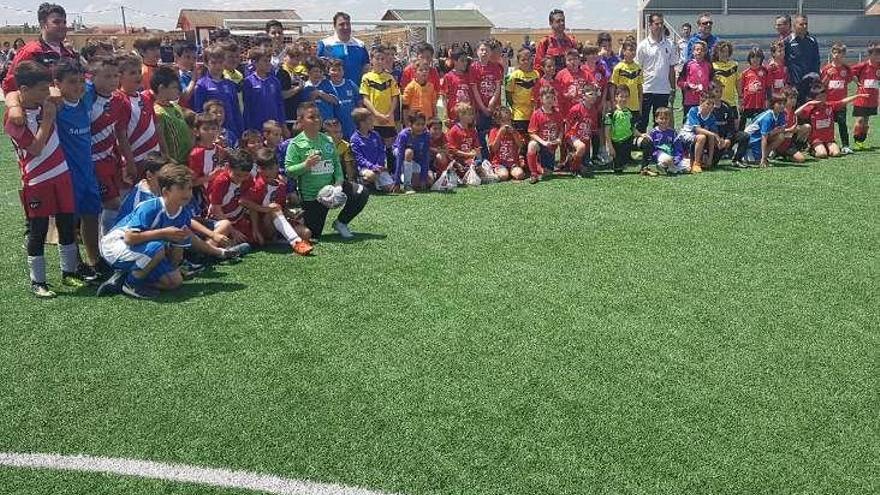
{"points": [[343, 46], [275, 30], [704, 34], [657, 57], [48, 49], [783, 26], [556, 44], [685, 32], [802, 59]]}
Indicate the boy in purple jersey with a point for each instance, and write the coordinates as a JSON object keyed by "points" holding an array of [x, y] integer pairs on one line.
{"points": [[261, 92], [668, 152], [212, 86]]}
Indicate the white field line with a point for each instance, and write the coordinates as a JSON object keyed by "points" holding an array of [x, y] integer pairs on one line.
{"points": [[183, 473]]}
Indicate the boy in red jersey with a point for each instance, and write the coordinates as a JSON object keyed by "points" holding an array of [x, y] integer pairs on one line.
{"points": [[224, 193], [439, 152], [821, 112], [46, 185], [139, 116], [753, 88], [836, 76], [867, 73], [572, 80], [204, 159], [486, 78], [265, 204], [777, 73], [455, 87], [425, 54], [462, 139], [545, 131], [584, 130], [505, 144]]}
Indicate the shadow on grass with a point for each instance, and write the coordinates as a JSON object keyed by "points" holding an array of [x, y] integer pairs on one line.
{"points": [[358, 237]]}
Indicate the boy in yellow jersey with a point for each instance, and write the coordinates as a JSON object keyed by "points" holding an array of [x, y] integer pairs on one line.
{"points": [[519, 91], [629, 74], [727, 71], [381, 95]]}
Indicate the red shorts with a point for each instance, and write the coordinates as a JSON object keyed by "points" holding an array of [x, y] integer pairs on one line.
{"points": [[48, 197], [824, 142], [109, 179], [243, 225], [519, 163]]}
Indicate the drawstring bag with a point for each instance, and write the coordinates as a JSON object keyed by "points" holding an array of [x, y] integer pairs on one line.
{"points": [[489, 176], [471, 177]]}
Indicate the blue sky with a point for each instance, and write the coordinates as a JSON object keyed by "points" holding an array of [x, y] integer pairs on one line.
{"points": [[504, 13]]}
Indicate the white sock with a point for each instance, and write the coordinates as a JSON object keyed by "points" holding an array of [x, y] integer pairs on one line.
{"points": [[284, 228], [408, 168], [108, 218], [37, 265], [69, 254]]}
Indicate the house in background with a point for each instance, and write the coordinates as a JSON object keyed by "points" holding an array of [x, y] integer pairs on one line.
{"points": [[453, 25], [198, 23]]}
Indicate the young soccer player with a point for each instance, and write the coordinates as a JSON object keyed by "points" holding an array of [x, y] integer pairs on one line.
{"points": [[486, 79], [46, 185], [667, 150], [695, 77], [545, 132], [420, 95], [348, 94], [148, 49], [462, 140], [821, 112], [224, 196], [146, 246], [777, 73], [381, 94], [505, 143], [140, 115], [726, 123], [411, 152], [699, 133], [231, 62], [583, 130], [572, 79], [368, 149], [519, 91], [836, 76], [439, 150], [726, 71], [766, 132], [455, 87], [425, 53], [312, 159], [333, 128], [251, 140], [261, 92], [548, 79], [754, 85], [213, 86], [621, 134], [205, 158], [319, 90], [172, 119], [867, 73], [185, 61], [265, 205], [628, 73]]}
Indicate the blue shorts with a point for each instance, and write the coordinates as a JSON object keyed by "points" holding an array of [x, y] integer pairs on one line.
{"points": [[86, 193], [127, 258], [547, 158]]}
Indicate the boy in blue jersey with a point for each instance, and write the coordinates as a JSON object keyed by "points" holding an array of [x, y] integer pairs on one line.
{"points": [[213, 86], [699, 133], [766, 132], [185, 60], [261, 92], [139, 246], [74, 132], [318, 89], [349, 95]]}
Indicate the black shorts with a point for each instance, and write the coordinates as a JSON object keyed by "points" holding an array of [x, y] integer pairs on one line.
{"points": [[864, 111], [521, 126], [386, 132]]}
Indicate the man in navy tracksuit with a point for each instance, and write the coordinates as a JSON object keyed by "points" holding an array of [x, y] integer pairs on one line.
{"points": [[802, 59]]}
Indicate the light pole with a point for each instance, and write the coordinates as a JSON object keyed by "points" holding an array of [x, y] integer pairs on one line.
{"points": [[432, 27]]}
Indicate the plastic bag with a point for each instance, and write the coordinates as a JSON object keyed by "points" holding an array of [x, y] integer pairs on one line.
{"points": [[489, 176], [446, 181], [471, 177]]}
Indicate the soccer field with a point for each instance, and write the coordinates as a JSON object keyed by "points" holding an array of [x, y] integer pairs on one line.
{"points": [[715, 333]]}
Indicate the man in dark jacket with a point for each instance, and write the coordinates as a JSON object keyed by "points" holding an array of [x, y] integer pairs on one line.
{"points": [[802, 59]]}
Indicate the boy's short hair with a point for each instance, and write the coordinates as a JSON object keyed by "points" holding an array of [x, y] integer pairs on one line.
{"points": [[756, 52], [103, 62], [622, 90], [663, 111], [414, 117], [67, 67], [335, 63], [704, 45], [204, 120], [500, 113], [873, 46], [590, 88], [47, 9], [265, 158], [261, 39], [777, 47], [630, 45], [272, 124], [164, 76], [777, 99], [548, 61], [229, 46], [523, 54], [603, 37], [240, 160], [182, 46], [838, 46], [572, 52], [721, 45], [705, 96], [91, 49], [817, 89], [152, 162], [360, 115], [434, 121], [273, 23], [590, 50], [790, 92], [464, 108], [214, 52], [686, 24], [29, 73], [128, 62], [257, 53], [145, 43], [422, 63], [172, 174], [424, 47], [213, 103], [547, 90], [293, 51], [313, 62], [305, 106], [250, 134]]}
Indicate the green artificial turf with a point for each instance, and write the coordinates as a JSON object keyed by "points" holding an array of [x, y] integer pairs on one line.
{"points": [[703, 334]]}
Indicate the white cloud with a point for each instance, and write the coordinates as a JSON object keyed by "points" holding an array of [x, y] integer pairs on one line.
{"points": [[572, 4]]}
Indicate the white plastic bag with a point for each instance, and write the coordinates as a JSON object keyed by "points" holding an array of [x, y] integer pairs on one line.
{"points": [[445, 182], [471, 177], [489, 176]]}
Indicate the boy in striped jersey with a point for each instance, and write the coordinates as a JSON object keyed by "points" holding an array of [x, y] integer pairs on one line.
{"points": [[139, 115]]}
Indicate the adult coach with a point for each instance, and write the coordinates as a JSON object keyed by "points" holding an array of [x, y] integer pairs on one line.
{"points": [[48, 49], [783, 26], [704, 33], [342, 45], [555, 44], [802, 58], [657, 56]]}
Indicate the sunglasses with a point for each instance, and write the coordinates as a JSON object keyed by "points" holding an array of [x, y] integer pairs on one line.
{"points": [[707, 23]]}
